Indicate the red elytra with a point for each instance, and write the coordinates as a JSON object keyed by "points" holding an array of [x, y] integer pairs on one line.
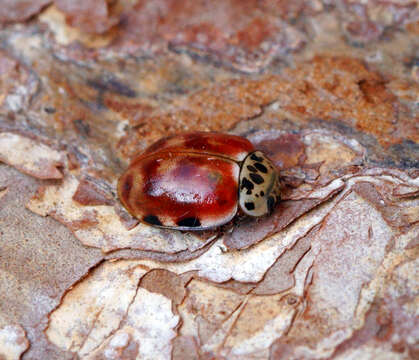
{"points": [[223, 145], [197, 181]]}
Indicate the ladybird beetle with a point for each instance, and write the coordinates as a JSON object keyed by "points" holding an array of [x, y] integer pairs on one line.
{"points": [[198, 181]]}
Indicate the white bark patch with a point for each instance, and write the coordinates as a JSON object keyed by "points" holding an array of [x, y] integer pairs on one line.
{"points": [[266, 318], [147, 332], [31, 157], [350, 248], [318, 193], [13, 342], [273, 327], [354, 250], [235, 326], [95, 307], [106, 315]]}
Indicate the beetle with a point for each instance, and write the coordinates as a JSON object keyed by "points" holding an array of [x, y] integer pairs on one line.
{"points": [[199, 181]]}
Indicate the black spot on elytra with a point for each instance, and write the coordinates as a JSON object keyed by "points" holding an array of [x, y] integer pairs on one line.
{"points": [[256, 158], [262, 193], [261, 167], [152, 220], [189, 222], [251, 168], [246, 184], [271, 204], [249, 205], [256, 178]]}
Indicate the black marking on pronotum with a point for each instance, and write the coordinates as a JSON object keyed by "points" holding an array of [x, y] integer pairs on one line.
{"points": [[246, 184], [271, 204], [256, 158], [189, 222], [256, 178], [261, 167], [249, 205], [152, 220], [251, 168]]}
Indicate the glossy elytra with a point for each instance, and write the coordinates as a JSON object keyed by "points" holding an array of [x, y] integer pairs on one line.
{"points": [[199, 180]]}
